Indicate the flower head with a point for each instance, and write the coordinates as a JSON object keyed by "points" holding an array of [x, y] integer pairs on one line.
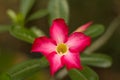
{"points": [[61, 49]]}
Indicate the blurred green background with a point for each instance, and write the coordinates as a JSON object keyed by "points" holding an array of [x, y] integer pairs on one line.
{"points": [[13, 51]]}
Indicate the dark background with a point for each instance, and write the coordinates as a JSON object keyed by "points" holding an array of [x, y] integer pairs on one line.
{"points": [[13, 51]]}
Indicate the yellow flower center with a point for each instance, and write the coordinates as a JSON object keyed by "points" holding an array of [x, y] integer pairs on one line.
{"points": [[61, 48]]}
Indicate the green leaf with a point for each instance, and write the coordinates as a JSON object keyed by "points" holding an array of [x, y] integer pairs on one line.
{"points": [[27, 68], [95, 30], [23, 34], [38, 14], [17, 19], [58, 9], [25, 6], [4, 76], [37, 31], [85, 74], [20, 19], [12, 15], [98, 60], [4, 28]]}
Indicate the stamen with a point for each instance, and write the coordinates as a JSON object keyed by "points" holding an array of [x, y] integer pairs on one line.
{"points": [[61, 48]]}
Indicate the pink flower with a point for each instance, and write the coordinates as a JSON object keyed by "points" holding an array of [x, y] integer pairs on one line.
{"points": [[61, 49]]}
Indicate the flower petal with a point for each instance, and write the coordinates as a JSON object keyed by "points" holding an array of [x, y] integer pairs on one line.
{"points": [[55, 62], [83, 27], [72, 60], [43, 45], [59, 30], [78, 41]]}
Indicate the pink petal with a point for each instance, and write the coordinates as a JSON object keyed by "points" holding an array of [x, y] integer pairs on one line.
{"points": [[55, 62], [43, 45], [72, 60], [83, 27], [78, 41], [59, 30]]}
